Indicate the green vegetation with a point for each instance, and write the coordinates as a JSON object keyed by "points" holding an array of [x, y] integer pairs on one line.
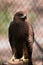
{"points": [[32, 17], [4, 22]]}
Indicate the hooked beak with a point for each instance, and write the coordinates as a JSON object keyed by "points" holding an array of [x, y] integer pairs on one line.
{"points": [[23, 17]]}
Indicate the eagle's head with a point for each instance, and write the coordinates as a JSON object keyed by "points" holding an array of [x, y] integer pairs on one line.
{"points": [[20, 16]]}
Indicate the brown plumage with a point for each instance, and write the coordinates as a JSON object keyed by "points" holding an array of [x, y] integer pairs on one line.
{"points": [[21, 36]]}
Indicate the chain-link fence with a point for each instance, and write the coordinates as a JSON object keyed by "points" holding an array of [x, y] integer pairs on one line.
{"points": [[34, 11]]}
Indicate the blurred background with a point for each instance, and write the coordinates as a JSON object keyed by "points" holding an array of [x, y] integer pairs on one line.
{"points": [[34, 11]]}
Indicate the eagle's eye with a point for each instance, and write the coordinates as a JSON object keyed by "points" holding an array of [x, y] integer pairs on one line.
{"points": [[20, 14]]}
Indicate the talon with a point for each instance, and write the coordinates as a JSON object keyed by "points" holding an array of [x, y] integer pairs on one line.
{"points": [[12, 59], [23, 59]]}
